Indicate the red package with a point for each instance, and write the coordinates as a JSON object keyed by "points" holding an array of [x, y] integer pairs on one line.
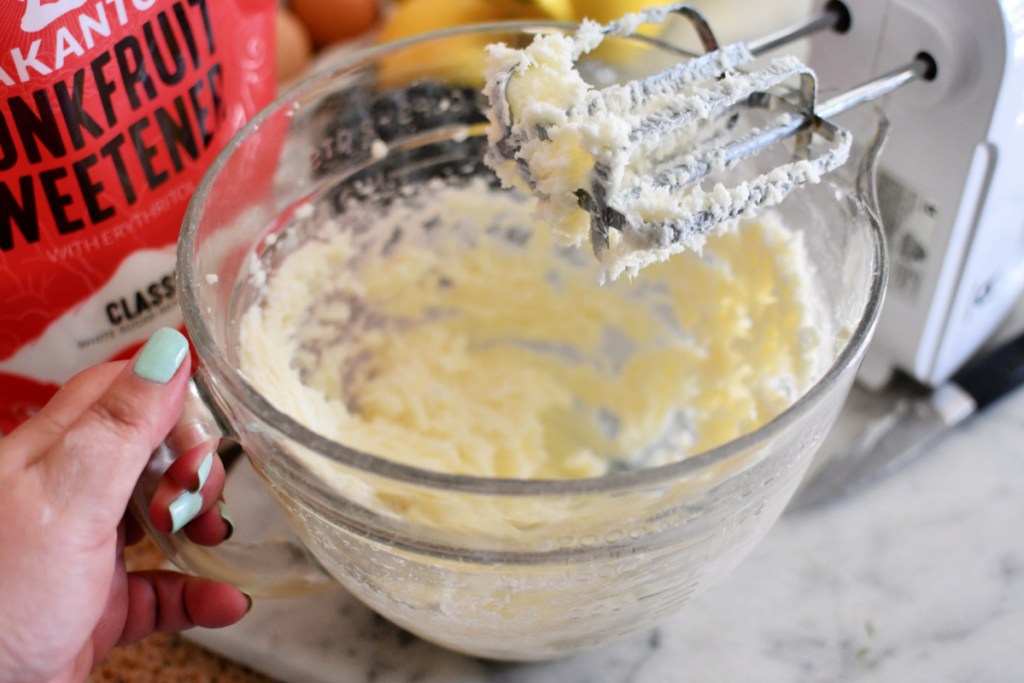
{"points": [[111, 111]]}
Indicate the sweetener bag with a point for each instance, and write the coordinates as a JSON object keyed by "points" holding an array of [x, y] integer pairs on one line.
{"points": [[111, 111]]}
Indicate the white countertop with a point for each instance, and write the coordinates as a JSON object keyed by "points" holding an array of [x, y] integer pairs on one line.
{"points": [[919, 578]]}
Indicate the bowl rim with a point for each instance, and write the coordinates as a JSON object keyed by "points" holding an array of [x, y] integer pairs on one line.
{"points": [[215, 369]]}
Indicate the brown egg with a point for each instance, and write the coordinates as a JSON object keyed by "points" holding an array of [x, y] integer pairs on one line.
{"points": [[332, 20], [294, 46]]}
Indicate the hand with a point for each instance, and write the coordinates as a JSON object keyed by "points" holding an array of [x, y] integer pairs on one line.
{"points": [[66, 476]]}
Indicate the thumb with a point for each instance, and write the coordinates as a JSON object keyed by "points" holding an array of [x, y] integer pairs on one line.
{"points": [[94, 465]]}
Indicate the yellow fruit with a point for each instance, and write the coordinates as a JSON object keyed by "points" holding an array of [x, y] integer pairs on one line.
{"points": [[561, 10], [463, 57], [603, 11], [413, 17]]}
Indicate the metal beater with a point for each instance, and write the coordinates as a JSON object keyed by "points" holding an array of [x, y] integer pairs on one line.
{"points": [[951, 202], [697, 94]]}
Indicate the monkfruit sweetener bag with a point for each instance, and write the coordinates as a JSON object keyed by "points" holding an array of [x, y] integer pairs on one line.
{"points": [[111, 111]]}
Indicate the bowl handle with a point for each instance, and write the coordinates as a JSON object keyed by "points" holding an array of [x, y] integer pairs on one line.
{"points": [[274, 568], [866, 183]]}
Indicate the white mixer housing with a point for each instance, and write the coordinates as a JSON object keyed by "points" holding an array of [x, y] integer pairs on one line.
{"points": [[952, 180]]}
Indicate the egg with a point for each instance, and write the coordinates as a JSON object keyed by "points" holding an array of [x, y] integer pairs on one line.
{"points": [[294, 46], [330, 21]]}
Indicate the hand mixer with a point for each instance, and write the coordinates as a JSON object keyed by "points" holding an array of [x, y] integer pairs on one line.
{"points": [[951, 206]]}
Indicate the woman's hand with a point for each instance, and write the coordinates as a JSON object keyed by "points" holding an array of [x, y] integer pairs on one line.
{"points": [[66, 476]]}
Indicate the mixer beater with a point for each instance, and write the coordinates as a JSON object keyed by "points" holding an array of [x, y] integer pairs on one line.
{"points": [[949, 203], [654, 142]]}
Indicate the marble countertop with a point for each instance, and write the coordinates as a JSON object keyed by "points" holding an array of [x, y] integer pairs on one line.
{"points": [[918, 578]]}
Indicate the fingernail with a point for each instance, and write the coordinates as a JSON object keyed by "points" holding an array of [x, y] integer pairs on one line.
{"points": [[162, 355], [184, 509], [228, 519], [203, 472], [249, 598]]}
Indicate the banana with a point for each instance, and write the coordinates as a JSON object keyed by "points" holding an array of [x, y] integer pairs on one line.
{"points": [[462, 60], [561, 10], [603, 11]]}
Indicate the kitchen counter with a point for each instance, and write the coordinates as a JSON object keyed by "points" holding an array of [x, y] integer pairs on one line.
{"points": [[919, 578]]}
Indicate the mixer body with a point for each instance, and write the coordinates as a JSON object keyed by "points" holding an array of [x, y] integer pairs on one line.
{"points": [[950, 188]]}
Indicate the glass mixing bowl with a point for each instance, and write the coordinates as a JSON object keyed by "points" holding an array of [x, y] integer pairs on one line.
{"points": [[600, 558]]}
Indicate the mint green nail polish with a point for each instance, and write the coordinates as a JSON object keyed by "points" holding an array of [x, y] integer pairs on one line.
{"points": [[184, 509], [162, 355], [226, 516], [204, 470]]}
